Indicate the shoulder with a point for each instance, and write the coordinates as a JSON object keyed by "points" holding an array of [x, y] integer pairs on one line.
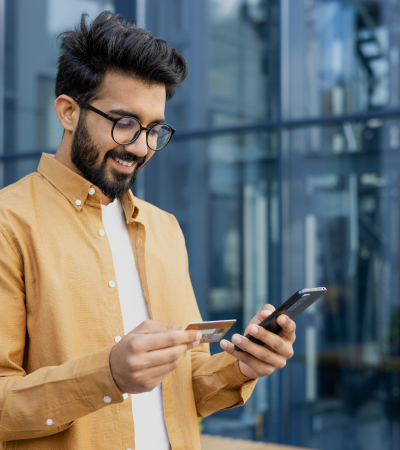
{"points": [[21, 187], [18, 195], [17, 205], [19, 202]]}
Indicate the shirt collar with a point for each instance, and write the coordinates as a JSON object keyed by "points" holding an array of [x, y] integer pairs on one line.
{"points": [[76, 188], [131, 211]]}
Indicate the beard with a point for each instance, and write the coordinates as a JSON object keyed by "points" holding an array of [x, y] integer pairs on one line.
{"points": [[85, 155]]}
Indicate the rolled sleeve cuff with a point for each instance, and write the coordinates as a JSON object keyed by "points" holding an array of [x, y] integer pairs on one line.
{"points": [[236, 379], [95, 380]]}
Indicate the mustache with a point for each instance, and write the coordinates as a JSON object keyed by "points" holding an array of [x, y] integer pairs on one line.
{"points": [[125, 156]]}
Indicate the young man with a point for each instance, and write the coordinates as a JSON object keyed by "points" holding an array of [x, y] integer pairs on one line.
{"points": [[94, 283]]}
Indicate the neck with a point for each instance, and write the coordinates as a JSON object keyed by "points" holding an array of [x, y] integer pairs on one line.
{"points": [[63, 154]]}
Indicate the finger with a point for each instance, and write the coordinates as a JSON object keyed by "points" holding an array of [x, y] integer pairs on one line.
{"points": [[260, 352], [288, 332], [150, 378], [151, 326], [260, 368], [262, 314], [273, 341], [156, 358], [156, 341]]}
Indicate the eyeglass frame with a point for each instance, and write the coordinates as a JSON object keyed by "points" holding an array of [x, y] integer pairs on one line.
{"points": [[115, 120]]}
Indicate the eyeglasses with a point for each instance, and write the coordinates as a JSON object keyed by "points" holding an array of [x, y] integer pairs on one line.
{"points": [[127, 129]]}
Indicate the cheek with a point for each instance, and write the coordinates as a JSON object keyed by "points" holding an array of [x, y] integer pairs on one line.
{"points": [[100, 132]]}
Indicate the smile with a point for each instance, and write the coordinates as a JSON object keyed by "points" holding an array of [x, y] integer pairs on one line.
{"points": [[125, 163]]}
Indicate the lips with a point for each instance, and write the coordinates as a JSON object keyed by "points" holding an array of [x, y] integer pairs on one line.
{"points": [[124, 166], [125, 163]]}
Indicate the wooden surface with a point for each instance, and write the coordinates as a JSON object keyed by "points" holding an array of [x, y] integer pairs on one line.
{"points": [[218, 443]]}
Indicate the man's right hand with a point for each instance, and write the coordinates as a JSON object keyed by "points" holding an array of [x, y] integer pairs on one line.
{"points": [[146, 355]]}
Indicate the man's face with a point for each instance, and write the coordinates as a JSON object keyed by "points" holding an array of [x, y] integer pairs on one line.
{"points": [[94, 152]]}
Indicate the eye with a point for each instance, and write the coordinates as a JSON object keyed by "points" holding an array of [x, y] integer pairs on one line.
{"points": [[126, 123]]}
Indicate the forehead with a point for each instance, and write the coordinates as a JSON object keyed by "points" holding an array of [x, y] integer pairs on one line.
{"points": [[124, 91]]}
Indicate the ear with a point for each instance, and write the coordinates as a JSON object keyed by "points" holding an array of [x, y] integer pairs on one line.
{"points": [[67, 111]]}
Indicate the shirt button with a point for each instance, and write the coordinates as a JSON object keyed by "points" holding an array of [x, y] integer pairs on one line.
{"points": [[92, 191], [117, 339], [78, 202], [111, 283], [102, 233], [125, 396], [139, 242], [107, 399], [49, 422]]}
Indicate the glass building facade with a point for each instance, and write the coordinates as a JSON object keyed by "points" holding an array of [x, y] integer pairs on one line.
{"points": [[284, 173]]}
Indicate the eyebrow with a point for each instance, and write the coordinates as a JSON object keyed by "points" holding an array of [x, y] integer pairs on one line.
{"points": [[124, 112]]}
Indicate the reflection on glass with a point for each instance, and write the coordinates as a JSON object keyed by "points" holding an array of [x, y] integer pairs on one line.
{"points": [[242, 57], [349, 57], [243, 244], [373, 136], [344, 226], [31, 123]]}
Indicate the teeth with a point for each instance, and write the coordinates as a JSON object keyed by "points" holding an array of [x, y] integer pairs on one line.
{"points": [[125, 163]]}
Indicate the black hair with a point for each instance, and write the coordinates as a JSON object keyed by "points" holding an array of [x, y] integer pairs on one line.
{"points": [[111, 43]]}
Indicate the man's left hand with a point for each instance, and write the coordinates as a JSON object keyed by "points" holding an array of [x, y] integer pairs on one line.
{"points": [[257, 361]]}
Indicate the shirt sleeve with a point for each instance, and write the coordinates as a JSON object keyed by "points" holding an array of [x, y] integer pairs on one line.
{"points": [[50, 399], [217, 381]]}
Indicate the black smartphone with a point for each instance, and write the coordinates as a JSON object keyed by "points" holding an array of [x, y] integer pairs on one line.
{"points": [[295, 305]]}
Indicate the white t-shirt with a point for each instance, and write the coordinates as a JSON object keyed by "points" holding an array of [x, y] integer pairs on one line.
{"points": [[148, 412]]}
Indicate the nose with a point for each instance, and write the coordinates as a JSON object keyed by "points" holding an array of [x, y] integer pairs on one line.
{"points": [[139, 147]]}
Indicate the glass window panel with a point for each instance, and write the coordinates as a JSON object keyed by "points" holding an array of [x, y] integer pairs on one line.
{"points": [[232, 60], [371, 136], [31, 28], [339, 57], [342, 232], [242, 56]]}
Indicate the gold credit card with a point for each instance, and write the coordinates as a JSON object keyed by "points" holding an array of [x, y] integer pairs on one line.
{"points": [[212, 331]]}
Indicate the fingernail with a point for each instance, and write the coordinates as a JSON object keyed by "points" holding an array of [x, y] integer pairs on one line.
{"points": [[224, 344], [196, 343], [282, 320], [199, 336], [253, 329], [237, 339], [266, 312]]}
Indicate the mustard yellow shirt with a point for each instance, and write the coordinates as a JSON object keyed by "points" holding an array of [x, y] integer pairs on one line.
{"points": [[60, 314]]}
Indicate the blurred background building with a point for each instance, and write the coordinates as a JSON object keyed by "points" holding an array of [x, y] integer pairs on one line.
{"points": [[284, 173]]}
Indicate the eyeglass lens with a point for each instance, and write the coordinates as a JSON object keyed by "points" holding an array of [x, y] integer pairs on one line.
{"points": [[128, 129]]}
